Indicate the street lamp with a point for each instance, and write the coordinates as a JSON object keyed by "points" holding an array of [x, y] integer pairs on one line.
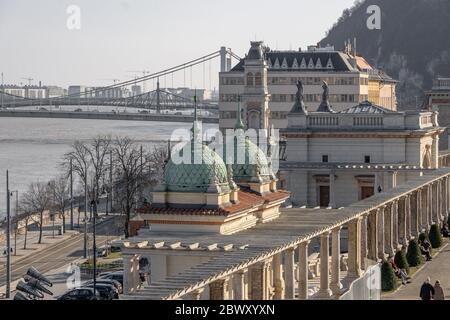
{"points": [[94, 244]]}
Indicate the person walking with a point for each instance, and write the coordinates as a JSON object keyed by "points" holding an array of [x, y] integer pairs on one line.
{"points": [[427, 290], [438, 292]]}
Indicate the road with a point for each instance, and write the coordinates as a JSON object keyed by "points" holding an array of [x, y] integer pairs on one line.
{"points": [[58, 255]]}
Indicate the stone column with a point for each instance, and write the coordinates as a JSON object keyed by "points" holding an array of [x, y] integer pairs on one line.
{"points": [[415, 215], [392, 180], [372, 236], [336, 285], [444, 198], [218, 290], [364, 240], [196, 294], [389, 230], [408, 216], [381, 234], [278, 277], [332, 204], [129, 275], [426, 208], [432, 204], [303, 268], [402, 221], [395, 239], [259, 281], [289, 273], [438, 202], [354, 248], [136, 275], [239, 285], [324, 291]]}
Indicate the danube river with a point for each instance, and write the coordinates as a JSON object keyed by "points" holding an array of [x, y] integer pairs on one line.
{"points": [[31, 149]]}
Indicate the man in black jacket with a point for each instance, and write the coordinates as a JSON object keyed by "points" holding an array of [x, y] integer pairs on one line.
{"points": [[427, 290]]}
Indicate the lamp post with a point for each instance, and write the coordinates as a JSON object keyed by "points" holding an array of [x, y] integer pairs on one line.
{"points": [[94, 244], [3, 90], [8, 238], [71, 194]]}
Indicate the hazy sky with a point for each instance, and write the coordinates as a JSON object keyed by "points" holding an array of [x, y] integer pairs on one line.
{"points": [[121, 35]]}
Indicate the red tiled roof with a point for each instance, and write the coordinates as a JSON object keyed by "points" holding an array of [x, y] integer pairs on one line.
{"points": [[247, 200]]}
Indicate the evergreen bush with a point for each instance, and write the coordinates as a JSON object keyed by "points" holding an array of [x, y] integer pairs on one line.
{"points": [[401, 261], [414, 255], [436, 236], [388, 278]]}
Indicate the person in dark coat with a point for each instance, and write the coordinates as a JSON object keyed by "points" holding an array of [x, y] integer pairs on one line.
{"points": [[427, 290]]}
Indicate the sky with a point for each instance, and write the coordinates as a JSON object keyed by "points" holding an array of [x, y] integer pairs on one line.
{"points": [[116, 36]]}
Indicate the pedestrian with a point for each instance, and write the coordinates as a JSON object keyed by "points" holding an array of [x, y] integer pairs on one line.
{"points": [[438, 292], [427, 290]]}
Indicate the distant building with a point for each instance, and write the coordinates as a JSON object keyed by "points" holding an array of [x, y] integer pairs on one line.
{"points": [[55, 91], [32, 92], [277, 73], [333, 159], [77, 90], [438, 99], [202, 94], [136, 90]]}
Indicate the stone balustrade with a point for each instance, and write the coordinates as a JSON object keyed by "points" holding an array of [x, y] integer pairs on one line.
{"points": [[275, 264]]}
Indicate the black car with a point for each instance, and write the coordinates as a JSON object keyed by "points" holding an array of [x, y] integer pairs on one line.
{"points": [[118, 276], [107, 291], [112, 282], [80, 294]]}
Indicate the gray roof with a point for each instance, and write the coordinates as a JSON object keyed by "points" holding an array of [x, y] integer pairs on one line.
{"points": [[339, 60], [367, 107]]}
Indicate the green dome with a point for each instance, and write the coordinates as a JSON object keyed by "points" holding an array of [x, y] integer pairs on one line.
{"points": [[198, 177], [255, 169]]}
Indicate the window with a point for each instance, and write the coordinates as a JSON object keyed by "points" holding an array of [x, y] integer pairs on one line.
{"points": [[250, 79], [367, 159], [258, 79], [325, 159]]}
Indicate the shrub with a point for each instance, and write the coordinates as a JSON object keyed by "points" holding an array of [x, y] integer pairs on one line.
{"points": [[388, 278], [424, 236], [448, 221], [401, 261], [435, 236], [414, 255]]}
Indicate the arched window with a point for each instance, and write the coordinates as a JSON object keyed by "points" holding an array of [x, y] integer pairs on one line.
{"points": [[250, 79], [258, 79]]}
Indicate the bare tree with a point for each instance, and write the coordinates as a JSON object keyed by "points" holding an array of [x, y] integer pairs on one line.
{"points": [[15, 221], [80, 165], [36, 201], [60, 193], [97, 152], [130, 173], [156, 162]]}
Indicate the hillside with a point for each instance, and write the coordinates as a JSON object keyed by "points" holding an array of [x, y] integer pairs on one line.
{"points": [[412, 46]]}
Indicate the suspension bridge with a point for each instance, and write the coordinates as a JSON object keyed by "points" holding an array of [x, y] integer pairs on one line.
{"points": [[153, 105]]}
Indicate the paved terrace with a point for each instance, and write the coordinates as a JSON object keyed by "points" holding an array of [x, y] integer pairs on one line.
{"points": [[294, 229]]}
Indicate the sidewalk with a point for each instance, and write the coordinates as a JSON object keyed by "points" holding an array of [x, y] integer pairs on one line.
{"points": [[438, 269]]}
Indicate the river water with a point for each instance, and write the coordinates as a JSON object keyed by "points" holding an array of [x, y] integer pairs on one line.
{"points": [[31, 149]]}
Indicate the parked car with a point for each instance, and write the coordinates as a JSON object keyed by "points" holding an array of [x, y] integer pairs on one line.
{"points": [[115, 249], [80, 294], [107, 291], [112, 282], [79, 110], [117, 275]]}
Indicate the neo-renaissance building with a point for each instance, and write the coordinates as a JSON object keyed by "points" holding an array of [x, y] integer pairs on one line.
{"points": [[333, 159], [275, 73]]}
